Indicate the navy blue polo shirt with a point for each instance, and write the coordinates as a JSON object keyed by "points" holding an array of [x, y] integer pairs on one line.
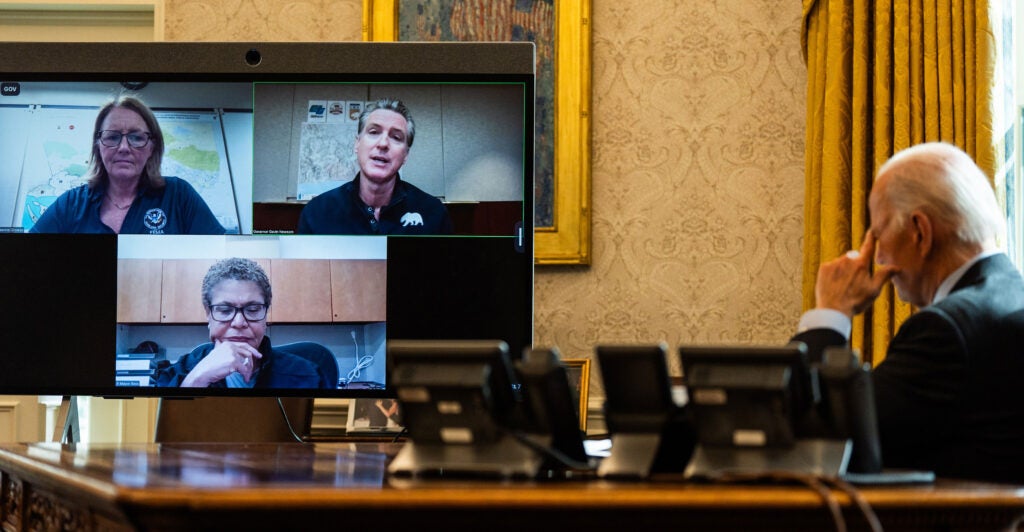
{"points": [[340, 211], [174, 209]]}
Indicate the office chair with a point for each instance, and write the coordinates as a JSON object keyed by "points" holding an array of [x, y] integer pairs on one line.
{"points": [[319, 355], [232, 419]]}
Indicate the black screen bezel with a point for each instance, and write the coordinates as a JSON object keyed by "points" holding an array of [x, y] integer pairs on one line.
{"points": [[390, 63]]}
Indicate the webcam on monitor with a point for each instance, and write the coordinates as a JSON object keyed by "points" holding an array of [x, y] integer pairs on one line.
{"points": [[253, 57]]}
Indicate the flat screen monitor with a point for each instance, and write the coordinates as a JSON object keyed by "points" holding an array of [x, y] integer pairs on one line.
{"points": [[550, 411], [277, 165], [638, 389], [649, 428], [455, 392], [749, 396], [849, 413]]}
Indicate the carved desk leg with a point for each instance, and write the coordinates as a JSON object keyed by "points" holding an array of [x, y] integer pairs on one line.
{"points": [[44, 511], [12, 493]]}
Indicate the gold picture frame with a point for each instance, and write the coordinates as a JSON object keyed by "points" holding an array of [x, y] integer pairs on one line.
{"points": [[578, 371], [567, 240]]}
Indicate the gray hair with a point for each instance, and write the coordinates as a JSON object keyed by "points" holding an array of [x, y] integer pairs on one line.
{"points": [[945, 183], [235, 269], [390, 104], [97, 173]]}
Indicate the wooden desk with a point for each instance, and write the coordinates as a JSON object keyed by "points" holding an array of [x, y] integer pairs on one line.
{"points": [[194, 487]]}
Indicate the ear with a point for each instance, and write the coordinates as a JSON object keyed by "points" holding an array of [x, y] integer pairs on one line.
{"points": [[923, 232]]}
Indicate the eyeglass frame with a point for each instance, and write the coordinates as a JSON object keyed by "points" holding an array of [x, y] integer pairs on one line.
{"points": [[236, 310], [123, 136]]}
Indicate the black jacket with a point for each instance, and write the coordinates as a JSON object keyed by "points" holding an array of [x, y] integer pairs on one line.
{"points": [[339, 211], [949, 393], [277, 370]]}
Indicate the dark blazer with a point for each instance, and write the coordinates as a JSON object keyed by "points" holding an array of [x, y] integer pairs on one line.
{"points": [[949, 394], [279, 369]]}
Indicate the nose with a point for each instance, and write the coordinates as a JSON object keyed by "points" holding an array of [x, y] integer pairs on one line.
{"points": [[123, 143], [239, 321], [382, 142]]}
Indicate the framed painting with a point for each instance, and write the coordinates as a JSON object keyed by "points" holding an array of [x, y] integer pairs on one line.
{"points": [[561, 30], [578, 371]]}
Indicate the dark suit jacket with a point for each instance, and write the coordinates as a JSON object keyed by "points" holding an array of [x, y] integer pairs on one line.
{"points": [[279, 369], [950, 392]]}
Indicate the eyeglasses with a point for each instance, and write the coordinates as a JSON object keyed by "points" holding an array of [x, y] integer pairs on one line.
{"points": [[112, 139], [254, 312]]}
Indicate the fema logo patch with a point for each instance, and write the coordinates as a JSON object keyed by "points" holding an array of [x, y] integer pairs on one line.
{"points": [[155, 220]]}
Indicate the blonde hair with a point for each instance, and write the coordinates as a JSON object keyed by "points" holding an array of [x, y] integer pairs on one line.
{"points": [[151, 177]]}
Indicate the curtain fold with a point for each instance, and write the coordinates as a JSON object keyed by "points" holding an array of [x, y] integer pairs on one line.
{"points": [[883, 76]]}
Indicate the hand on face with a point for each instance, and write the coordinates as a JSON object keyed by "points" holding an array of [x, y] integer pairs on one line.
{"points": [[225, 359], [236, 341], [847, 283]]}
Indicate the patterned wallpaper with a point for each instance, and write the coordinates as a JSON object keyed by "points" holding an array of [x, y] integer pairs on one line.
{"points": [[262, 20], [698, 124]]}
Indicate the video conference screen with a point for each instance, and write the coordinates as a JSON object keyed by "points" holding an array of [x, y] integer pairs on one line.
{"points": [[258, 227]]}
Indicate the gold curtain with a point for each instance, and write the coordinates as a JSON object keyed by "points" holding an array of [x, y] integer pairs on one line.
{"points": [[884, 75]]}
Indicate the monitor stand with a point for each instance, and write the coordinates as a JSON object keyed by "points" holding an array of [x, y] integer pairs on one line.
{"points": [[632, 456], [818, 457], [67, 429], [505, 458]]}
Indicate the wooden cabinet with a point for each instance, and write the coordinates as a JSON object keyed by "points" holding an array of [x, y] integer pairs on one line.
{"points": [[304, 290], [359, 290], [182, 289], [138, 290]]}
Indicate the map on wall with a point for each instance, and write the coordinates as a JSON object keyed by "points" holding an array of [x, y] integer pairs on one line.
{"points": [[194, 151], [56, 158], [326, 159], [59, 146]]}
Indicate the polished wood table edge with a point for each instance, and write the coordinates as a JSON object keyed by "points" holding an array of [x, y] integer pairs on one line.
{"points": [[435, 494], [53, 476], [485, 494]]}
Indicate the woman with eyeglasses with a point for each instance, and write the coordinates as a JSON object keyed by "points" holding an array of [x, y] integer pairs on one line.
{"points": [[236, 294], [125, 192]]}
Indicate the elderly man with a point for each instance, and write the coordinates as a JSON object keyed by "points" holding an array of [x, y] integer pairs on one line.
{"points": [[377, 201], [948, 392]]}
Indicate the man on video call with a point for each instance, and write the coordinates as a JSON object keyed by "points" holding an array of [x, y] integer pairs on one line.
{"points": [[948, 392], [377, 201]]}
